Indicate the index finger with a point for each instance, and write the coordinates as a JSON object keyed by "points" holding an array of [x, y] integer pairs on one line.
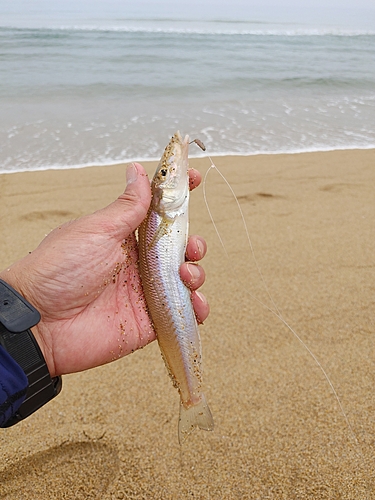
{"points": [[195, 178]]}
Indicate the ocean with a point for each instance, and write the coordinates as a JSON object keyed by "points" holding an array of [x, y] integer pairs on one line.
{"points": [[76, 93]]}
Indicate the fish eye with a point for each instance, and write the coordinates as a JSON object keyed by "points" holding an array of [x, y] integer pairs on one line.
{"points": [[163, 172]]}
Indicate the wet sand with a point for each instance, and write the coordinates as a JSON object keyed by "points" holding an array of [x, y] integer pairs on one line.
{"points": [[279, 430]]}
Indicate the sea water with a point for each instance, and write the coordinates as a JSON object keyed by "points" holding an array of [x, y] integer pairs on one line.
{"points": [[75, 91]]}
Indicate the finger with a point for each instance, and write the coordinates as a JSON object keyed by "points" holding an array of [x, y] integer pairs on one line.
{"points": [[126, 213], [200, 305], [195, 178], [192, 275], [196, 248]]}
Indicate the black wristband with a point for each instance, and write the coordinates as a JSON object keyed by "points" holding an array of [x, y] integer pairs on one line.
{"points": [[17, 316]]}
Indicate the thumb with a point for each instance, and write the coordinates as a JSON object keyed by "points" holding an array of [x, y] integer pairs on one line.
{"points": [[130, 208]]}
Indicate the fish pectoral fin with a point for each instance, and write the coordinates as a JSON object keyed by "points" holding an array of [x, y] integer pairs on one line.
{"points": [[161, 231], [195, 416]]}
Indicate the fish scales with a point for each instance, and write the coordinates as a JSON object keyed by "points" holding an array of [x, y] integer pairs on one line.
{"points": [[162, 244]]}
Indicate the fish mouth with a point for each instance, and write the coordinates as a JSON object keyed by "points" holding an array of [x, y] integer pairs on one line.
{"points": [[177, 148], [170, 185], [174, 163]]}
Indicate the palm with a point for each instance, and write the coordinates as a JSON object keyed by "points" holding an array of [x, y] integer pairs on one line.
{"points": [[96, 305]]}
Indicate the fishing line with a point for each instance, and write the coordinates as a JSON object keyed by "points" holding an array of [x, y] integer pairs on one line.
{"points": [[275, 310]]}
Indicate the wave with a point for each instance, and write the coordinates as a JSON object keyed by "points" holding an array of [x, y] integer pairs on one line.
{"points": [[248, 86], [217, 31]]}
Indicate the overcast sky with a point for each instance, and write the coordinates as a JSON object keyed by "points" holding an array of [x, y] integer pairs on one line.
{"points": [[327, 11]]}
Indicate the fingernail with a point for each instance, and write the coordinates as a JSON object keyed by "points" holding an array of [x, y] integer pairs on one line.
{"points": [[131, 173], [202, 298], [194, 272], [200, 246]]}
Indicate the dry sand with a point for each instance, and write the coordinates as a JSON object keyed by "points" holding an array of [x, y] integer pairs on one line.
{"points": [[279, 431]]}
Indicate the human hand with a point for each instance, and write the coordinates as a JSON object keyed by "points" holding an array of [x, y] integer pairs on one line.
{"points": [[83, 278]]}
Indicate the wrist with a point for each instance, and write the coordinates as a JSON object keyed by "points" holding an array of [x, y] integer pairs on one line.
{"points": [[17, 317], [10, 277]]}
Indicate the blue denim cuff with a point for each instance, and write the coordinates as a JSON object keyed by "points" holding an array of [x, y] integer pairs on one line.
{"points": [[13, 386]]}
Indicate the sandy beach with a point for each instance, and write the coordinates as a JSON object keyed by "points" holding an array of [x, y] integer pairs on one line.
{"points": [[280, 432]]}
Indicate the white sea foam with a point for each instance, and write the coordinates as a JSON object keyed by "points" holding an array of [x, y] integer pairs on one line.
{"points": [[126, 161], [73, 98], [292, 32]]}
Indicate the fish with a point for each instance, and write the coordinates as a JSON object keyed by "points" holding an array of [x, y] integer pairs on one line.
{"points": [[162, 244]]}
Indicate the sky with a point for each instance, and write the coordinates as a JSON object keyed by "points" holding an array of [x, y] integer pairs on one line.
{"points": [[336, 12]]}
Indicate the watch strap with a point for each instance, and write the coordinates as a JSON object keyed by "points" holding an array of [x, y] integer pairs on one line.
{"points": [[16, 312]]}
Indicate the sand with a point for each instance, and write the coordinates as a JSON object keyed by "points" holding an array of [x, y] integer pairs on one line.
{"points": [[279, 430]]}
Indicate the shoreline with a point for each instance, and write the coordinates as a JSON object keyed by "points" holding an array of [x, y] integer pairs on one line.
{"points": [[192, 157]]}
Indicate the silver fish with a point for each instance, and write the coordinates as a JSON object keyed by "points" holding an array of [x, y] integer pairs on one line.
{"points": [[162, 244]]}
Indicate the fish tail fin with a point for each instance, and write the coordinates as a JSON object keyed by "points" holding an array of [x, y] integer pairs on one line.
{"points": [[198, 415]]}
